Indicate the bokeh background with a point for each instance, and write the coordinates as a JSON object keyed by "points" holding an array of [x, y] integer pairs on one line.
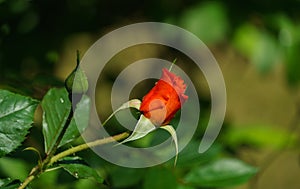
{"points": [[256, 43]]}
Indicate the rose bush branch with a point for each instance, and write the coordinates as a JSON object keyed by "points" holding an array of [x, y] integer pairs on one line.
{"points": [[60, 125], [37, 170], [88, 145]]}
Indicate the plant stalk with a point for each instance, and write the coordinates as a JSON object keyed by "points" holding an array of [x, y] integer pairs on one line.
{"points": [[87, 145], [37, 170]]}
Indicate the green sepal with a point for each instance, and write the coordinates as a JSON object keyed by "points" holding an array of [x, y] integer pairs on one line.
{"points": [[77, 81], [134, 103], [142, 128], [172, 132]]}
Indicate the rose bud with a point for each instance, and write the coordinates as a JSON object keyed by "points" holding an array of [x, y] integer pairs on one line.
{"points": [[164, 99]]}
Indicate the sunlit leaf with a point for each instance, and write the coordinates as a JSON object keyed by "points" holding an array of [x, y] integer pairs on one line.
{"points": [[267, 53], [245, 39], [258, 45], [16, 117], [79, 122], [208, 21], [56, 107], [221, 173]]}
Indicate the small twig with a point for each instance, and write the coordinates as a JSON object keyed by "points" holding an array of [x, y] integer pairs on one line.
{"points": [[88, 145]]}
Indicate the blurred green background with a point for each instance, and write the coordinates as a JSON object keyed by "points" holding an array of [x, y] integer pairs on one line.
{"points": [[256, 43]]}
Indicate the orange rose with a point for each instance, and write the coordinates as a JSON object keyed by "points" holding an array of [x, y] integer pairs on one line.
{"points": [[164, 99]]}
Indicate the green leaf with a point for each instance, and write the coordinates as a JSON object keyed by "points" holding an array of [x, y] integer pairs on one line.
{"points": [[288, 31], [257, 45], [77, 167], [79, 122], [208, 21], [267, 52], [159, 178], [221, 173], [16, 117], [245, 39], [4, 182], [10, 184], [56, 107], [190, 157]]}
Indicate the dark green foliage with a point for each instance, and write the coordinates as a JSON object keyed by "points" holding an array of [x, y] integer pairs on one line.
{"points": [[16, 118]]}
